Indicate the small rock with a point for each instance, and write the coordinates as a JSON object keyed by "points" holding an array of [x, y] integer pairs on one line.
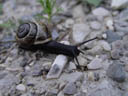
{"points": [[80, 32], [60, 94], [21, 87], [72, 77], [115, 54], [117, 4], [95, 51], [101, 12], [95, 25], [70, 89], [105, 45], [91, 76], [62, 85], [37, 70], [119, 45], [2, 74], [78, 13], [109, 24], [116, 72], [126, 68], [71, 66], [122, 17], [57, 66], [112, 36], [69, 23], [52, 92], [95, 64], [24, 62], [82, 60]]}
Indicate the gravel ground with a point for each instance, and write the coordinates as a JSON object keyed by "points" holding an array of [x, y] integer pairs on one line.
{"points": [[105, 62]]}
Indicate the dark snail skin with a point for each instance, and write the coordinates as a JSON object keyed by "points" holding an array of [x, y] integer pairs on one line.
{"points": [[54, 48]]}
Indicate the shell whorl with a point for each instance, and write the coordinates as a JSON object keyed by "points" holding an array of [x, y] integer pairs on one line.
{"points": [[32, 33]]}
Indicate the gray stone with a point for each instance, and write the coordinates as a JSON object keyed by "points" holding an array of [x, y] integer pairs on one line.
{"points": [[72, 77], [70, 89], [2, 74], [95, 64], [102, 12], [21, 87], [115, 54], [95, 25], [80, 32], [122, 17], [37, 70], [122, 26], [24, 62], [112, 36], [118, 4], [105, 45], [118, 45], [116, 72], [52, 92]]}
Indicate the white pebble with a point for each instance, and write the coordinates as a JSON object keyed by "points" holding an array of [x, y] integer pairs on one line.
{"points": [[21, 87]]}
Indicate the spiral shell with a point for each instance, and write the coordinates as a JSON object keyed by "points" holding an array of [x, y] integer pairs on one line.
{"points": [[32, 33]]}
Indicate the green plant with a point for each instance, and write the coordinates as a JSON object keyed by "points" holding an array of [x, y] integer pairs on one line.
{"points": [[93, 2], [49, 8]]}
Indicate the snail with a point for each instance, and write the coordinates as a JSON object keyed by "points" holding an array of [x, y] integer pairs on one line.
{"points": [[33, 36]]}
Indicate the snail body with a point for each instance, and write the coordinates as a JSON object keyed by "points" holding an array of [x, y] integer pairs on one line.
{"points": [[32, 36]]}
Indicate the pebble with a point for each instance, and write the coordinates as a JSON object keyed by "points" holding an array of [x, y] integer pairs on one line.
{"points": [[78, 13], [96, 63], [109, 24], [69, 23], [119, 45], [112, 36], [57, 66], [122, 17], [105, 45], [95, 25], [71, 66], [115, 54], [37, 70], [72, 77], [101, 12], [52, 92], [116, 72], [118, 4], [21, 87], [126, 68], [91, 76], [70, 89], [80, 32], [2, 74], [82, 60]]}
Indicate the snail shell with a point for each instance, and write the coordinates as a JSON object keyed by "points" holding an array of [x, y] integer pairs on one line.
{"points": [[32, 33]]}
